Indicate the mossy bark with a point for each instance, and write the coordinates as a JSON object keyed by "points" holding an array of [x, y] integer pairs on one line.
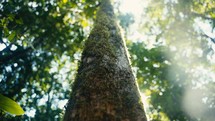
{"points": [[105, 88]]}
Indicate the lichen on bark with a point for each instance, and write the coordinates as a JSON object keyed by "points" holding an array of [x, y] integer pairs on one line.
{"points": [[105, 88]]}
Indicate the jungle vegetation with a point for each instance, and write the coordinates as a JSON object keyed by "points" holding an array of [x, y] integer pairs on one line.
{"points": [[171, 46]]}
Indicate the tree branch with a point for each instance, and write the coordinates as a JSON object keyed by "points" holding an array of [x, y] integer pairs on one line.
{"points": [[212, 39]]}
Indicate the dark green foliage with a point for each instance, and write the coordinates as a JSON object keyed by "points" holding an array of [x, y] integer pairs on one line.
{"points": [[36, 36]]}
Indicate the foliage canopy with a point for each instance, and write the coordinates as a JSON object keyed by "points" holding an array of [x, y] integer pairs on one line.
{"points": [[173, 58]]}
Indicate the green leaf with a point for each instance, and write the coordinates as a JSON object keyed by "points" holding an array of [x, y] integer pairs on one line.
{"points": [[10, 106], [6, 31], [12, 36], [19, 21], [11, 17]]}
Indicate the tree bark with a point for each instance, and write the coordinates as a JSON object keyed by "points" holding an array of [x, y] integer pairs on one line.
{"points": [[105, 88]]}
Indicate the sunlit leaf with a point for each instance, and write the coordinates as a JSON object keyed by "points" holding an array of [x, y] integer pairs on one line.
{"points": [[84, 23], [10, 106], [64, 1]]}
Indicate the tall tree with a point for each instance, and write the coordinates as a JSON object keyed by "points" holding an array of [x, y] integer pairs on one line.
{"points": [[105, 87]]}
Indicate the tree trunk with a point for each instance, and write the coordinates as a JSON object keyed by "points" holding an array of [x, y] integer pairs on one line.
{"points": [[105, 87]]}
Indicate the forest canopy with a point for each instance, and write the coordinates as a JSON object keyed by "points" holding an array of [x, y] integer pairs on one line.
{"points": [[171, 45]]}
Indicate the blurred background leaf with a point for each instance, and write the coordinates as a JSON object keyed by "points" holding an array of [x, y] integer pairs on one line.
{"points": [[10, 106]]}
